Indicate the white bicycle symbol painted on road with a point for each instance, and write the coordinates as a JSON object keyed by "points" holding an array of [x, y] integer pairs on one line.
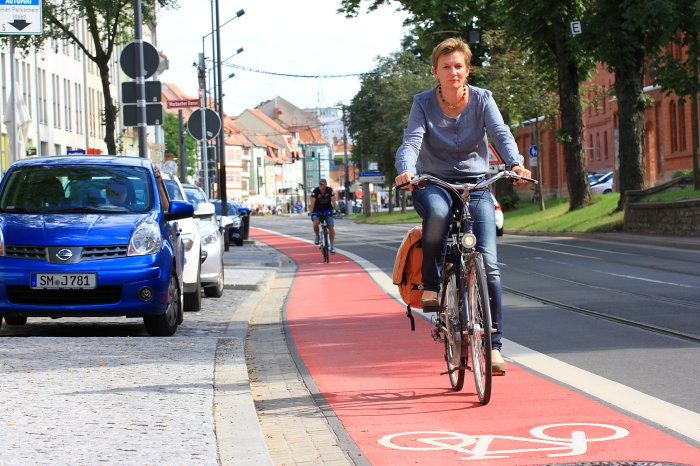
{"points": [[575, 442]]}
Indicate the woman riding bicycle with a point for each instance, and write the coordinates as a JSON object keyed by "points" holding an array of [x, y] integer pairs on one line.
{"points": [[447, 137]]}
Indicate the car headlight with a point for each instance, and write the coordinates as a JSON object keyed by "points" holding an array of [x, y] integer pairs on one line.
{"points": [[145, 239], [210, 237], [2, 244], [188, 240]]}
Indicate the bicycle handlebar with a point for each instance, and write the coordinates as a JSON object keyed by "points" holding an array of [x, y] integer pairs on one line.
{"points": [[422, 180]]}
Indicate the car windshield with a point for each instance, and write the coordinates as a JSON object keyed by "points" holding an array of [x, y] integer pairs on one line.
{"points": [[77, 189], [231, 211], [195, 196], [173, 190]]}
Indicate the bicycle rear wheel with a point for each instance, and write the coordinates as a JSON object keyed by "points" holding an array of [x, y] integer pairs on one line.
{"points": [[325, 244], [452, 322], [479, 327]]}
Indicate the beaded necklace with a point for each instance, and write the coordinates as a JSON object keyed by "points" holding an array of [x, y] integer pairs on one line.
{"points": [[448, 104]]}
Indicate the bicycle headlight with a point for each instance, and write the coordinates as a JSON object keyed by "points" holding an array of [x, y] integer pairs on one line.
{"points": [[145, 239], [469, 240]]}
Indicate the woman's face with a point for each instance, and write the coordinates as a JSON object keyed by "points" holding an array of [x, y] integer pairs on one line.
{"points": [[451, 70]]}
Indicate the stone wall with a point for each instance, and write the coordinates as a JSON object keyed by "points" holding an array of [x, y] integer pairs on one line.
{"points": [[664, 218]]}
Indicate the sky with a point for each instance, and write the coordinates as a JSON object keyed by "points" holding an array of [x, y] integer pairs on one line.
{"points": [[302, 37]]}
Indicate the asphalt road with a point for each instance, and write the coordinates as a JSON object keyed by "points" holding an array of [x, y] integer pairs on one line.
{"points": [[551, 280]]}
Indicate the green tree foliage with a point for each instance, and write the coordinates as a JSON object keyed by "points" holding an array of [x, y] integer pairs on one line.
{"points": [[171, 129], [543, 27], [677, 72], [108, 23], [378, 114], [522, 89], [432, 21], [624, 34]]}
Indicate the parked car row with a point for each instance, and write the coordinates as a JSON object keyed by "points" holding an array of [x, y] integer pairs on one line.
{"points": [[92, 236]]}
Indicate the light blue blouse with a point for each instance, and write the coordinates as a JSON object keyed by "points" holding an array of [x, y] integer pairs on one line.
{"points": [[454, 148]]}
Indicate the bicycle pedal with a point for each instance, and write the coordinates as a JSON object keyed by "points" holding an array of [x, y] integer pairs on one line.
{"points": [[498, 373]]}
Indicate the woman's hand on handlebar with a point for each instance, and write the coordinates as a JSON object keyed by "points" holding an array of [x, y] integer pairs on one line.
{"points": [[522, 171], [404, 178]]}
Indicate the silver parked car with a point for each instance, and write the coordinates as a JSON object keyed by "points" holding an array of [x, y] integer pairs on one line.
{"points": [[212, 236]]}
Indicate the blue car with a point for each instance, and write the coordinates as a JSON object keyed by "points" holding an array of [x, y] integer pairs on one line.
{"points": [[90, 236]]}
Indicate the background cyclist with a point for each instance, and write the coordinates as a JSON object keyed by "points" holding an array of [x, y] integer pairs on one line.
{"points": [[447, 137], [323, 200]]}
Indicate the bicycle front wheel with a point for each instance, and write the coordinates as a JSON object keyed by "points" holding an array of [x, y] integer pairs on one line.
{"points": [[452, 301], [326, 244], [479, 326]]}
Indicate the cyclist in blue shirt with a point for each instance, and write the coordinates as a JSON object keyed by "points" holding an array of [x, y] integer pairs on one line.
{"points": [[323, 200]]}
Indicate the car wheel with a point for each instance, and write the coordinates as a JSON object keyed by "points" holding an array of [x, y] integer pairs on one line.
{"points": [[217, 290], [499, 231], [165, 325], [607, 191], [193, 301], [238, 241], [15, 320]]}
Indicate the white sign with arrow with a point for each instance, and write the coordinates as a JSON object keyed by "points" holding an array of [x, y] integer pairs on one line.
{"points": [[20, 17]]}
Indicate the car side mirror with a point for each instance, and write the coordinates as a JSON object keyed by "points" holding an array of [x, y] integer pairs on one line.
{"points": [[204, 210], [178, 210]]}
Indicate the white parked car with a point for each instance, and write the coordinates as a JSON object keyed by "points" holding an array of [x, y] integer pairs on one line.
{"points": [[191, 238], [603, 185], [499, 216], [212, 234]]}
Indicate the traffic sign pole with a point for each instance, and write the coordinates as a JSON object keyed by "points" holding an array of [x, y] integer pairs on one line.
{"points": [[140, 81], [202, 96]]}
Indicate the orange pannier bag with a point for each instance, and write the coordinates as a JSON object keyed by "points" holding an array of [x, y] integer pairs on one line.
{"points": [[407, 268]]}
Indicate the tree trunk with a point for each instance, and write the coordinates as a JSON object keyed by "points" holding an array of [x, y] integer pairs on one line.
{"points": [[110, 110], [572, 133], [629, 85]]}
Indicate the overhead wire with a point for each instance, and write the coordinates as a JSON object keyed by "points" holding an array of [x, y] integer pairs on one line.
{"points": [[291, 75]]}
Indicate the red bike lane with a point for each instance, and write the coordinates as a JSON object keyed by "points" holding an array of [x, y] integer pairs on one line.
{"points": [[383, 383]]}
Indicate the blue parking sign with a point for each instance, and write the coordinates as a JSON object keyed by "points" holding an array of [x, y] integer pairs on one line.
{"points": [[533, 151]]}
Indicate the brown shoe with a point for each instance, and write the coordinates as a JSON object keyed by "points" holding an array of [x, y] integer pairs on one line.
{"points": [[498, 365], [429, 299]]}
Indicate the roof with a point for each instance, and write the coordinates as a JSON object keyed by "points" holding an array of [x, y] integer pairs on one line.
{"points": [[85, 160]]}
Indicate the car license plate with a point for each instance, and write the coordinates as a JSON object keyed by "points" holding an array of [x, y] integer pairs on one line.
{"points": [[63, 281]]}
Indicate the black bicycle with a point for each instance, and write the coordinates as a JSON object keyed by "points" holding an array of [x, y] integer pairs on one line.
{"points": [[463, 321], [324, 233]]}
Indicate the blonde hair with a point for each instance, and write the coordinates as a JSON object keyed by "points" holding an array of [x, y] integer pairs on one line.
{"points": [[450, 45]]}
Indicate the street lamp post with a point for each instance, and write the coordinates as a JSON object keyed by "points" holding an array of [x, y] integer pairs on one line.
{"points": [[221, 156]]}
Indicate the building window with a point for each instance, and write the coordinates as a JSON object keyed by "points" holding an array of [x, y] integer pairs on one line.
{"points": [[605, 145], [78, 109], [597, 147], [67, 105], [681, 126], [590, 147], [56, 89], [674, 127]]}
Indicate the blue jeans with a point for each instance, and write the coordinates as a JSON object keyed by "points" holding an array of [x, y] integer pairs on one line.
{"points": [[434, 205]]}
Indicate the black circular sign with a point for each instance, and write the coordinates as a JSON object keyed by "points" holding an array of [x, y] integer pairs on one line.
{"points": [[127, 60], [212, 124]]}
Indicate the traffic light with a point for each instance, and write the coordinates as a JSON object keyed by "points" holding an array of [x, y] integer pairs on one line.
{"points": [[211, 162], [313, 155]]}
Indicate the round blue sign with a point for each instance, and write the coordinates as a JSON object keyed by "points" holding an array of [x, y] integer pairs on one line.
{"points": [[533, 151]]}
